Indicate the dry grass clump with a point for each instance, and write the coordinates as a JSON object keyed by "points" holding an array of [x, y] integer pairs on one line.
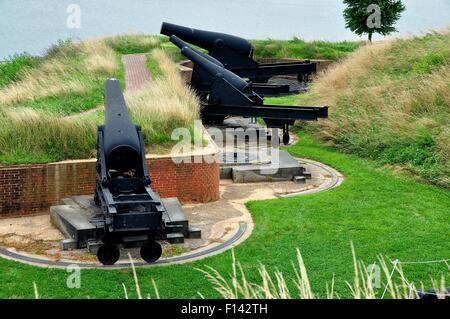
{"points": [[392, 283], [101, 58], [276, 286], [38, 136], [165, 103], [68, 69], [341, 76], [391, 101], [45, 81]]}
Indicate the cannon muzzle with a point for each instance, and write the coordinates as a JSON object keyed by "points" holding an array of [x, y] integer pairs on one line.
{"points": [[207, 39], [216, 70]]}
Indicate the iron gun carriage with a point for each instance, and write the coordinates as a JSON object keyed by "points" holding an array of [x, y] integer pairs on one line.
{"points": [[224, 93]]}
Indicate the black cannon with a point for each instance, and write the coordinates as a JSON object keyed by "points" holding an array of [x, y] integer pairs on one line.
{"points": [[131, 211], [236, 55], [223, 94]]}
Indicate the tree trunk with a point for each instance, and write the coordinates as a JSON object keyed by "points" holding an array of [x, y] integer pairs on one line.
{"points": [[370, 36]]}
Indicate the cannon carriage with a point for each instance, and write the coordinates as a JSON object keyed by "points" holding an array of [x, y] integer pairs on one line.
{"points": [[224, 93]]}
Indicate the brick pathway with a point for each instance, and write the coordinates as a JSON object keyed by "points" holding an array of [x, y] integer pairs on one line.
{"points": [[136, 76], [136, 72]]}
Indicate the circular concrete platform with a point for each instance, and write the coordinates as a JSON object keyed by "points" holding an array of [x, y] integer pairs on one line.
{"points": [[224, 224]]}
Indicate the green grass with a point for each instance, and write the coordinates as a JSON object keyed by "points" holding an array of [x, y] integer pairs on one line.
{"points": [[282, 100], [11, 68], [67, 104], [133, 43], [380, 211], [58, 139], [68, 54], [298, 48], [153, 67], [295, 48]]}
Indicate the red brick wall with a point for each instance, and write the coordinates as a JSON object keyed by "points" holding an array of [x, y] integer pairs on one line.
{"points": [[28, 189]]}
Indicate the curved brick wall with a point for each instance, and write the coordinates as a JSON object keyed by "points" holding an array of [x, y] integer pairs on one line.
{"points": [[29, 189]]}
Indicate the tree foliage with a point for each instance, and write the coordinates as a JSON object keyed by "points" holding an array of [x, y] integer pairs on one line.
{"points": [[372, 16]]}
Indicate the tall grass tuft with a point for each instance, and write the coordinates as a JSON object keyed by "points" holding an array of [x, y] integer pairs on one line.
{"points": [[39, 136], [276, 286]]}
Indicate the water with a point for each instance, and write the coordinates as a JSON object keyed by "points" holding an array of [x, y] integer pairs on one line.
{"points": [[32, 26]]}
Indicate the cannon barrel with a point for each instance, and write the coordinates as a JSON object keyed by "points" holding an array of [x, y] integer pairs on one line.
{"points": [[120, 139], [181, 44], [216, 70], [207, 39]]}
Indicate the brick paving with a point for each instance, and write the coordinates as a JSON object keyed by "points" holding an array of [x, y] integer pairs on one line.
{"points": [[136, 72], [136, 76]]}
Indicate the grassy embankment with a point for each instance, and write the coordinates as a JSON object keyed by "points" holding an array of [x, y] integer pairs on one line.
{"points": [[40, 103], [390, 101]]}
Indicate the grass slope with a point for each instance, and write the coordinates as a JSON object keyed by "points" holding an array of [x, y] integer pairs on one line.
{"points": [[391, 101], [35, 101], [380, 211], [68, 79], [11, 68]]}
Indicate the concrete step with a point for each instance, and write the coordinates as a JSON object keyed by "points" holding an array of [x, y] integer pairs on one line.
{"points": [[284, 170], [69, 244], [195, 232], [307, 174], [74, 223], [175, 238], [68, 201], [300, 179], [85, 201], [174, 213], [93, 246]]}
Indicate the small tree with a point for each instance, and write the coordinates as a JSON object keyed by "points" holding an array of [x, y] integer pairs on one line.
{"points": [[372, 16]]}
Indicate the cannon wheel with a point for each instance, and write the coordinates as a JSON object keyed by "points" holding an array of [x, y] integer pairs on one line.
{"points": [[108, 254], [151, 251]]}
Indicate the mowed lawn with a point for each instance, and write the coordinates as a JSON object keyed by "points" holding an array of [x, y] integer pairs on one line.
{"points": [[378, 210]]}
